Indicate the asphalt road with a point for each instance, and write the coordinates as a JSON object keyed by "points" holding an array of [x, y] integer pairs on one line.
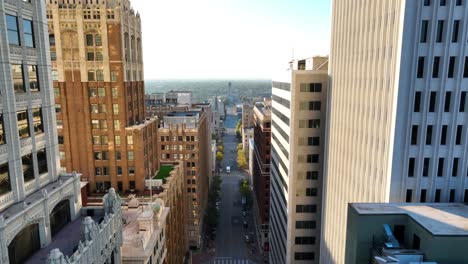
{"points": [[230, 242]]}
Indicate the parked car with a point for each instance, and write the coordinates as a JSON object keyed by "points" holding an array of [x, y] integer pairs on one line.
{"points": [[228, 169], [247, 239], [246, 224]]}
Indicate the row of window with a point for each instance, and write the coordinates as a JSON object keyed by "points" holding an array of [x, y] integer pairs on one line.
{"points": [[311, 106], [437, 196], [308, 192], [311, 87], [102, 109], [425, 29], [179, 138], [436, 67], [189, 147], [306, 208], [306, 224], [101, 92], [433, 100], [28, 169], [14, 32], [282, 101], [24, 124], [442, 2], [307, 175], [440, 167], [443, 135], [309, 158], [304, 255]]}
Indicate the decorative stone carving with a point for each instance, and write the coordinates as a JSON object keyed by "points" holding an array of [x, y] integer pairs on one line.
{"points": [[56, 257], [89, 229], [111, 202]]}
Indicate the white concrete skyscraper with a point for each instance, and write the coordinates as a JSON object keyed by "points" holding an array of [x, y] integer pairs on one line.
{"points": [[298, 130], [397, 128]]}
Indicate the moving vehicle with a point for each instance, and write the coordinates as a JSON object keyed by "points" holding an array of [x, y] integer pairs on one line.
{"points": [[228, 169]]}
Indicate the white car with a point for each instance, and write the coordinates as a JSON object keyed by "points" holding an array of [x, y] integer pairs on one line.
{"points": [[228, 169]]}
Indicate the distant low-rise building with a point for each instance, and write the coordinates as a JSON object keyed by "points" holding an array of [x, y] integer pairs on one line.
{"points": [[247, 134], [406, 233], [247, 116]]}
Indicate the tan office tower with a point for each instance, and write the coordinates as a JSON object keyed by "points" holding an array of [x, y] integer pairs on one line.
{"points": [[397, 124], [298, 129], [186, 136], [97, 69]]}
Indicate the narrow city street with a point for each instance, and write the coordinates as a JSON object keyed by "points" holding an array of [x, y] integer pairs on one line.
{"points": [[231, 247]]}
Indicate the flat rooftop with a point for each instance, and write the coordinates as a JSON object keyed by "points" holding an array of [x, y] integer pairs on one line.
{"points": [[184, 113], [441, 219]]}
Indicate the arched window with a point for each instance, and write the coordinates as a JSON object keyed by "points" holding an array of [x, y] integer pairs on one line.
{"points": [[89, 40], [25, 244]]}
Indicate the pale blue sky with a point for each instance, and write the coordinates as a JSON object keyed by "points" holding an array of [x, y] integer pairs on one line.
{"points": [[230, 38]]}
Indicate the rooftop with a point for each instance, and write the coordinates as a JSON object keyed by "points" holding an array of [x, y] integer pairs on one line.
{"points": [[442, 219], [163, 172], [184, 113]]}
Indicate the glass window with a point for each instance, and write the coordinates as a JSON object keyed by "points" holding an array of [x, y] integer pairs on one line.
{"points": [[95, 124], [18, 78], [37, 121], [115, 92], [28, 33], [102, 108], [58, 108], [89, 40], [23, 124], [28, 170], [130, 155], [59, 124], [104, 140], [102, 92], [118, 155], [99, 56], [117, 140], [91, 76], [53, 56], [51, 39], [99, 75], [12, 27], [420, 70], [96, 140], [98, 40], [113, 76], [90, 56], [115, 109], [55, 75], [5, 185], [131, 170], [33, 77], [42, 161], [117, 124], [93, 92], [129, 140]]}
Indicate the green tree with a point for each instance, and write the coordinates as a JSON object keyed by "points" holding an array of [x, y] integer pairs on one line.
{"points": [[241, 159], [219, 156]]}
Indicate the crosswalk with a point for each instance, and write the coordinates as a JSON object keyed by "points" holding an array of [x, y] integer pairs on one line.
{"points": [[231, 261]]}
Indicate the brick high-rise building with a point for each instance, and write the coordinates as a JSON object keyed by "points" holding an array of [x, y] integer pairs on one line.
{"points": [[261, 165], [186, 136], [97, 69]]}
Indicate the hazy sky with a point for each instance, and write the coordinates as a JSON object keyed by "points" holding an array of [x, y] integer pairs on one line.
{"points": [[230, 38]]}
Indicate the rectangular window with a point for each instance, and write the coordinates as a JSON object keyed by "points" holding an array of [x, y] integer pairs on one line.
{"points": [[443, 135], [451, 67], [440, 167], [311, 87], [440, 31], [28, 168], [465, 68], [129, 140], [115, 92], [465, 199], [18, 78], [427, 2], [118, 155], [422, 198], [458, 137], [52, 40], [459, 2], [23, 124], [315, 105], [461, 107], [130, 155], [424, 29], [37, 121], [101, 92], [455, 167], [2, 131], [33, 78], [432, 102], [455, 29], [113, 76], [28, 33], [304, 240], [306, 224], [90, 56], [435, 67], [117, 124], [437, 196], [304, 256], [443, 2], [417, 102], [448, 96], [420, 73], [42, 161], [452, 196], [409, 195], [429, 135], [411, 167], [91, 76], [99, 75], [115, 109], [12, 28], [426, 167], [99, 56], [59, 124], [414, 135], [5, 180], [313, 141]]}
